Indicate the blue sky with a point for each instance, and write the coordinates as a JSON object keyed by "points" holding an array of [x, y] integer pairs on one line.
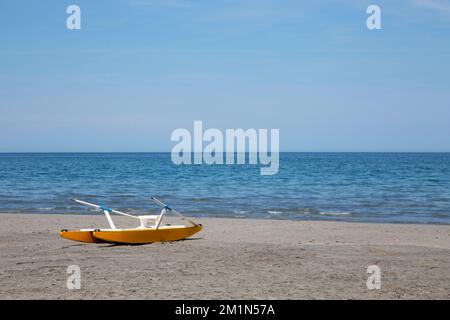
{"points": [[138, 69]]}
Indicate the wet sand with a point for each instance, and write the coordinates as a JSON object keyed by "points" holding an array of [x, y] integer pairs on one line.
{"points": [[230, 259]]}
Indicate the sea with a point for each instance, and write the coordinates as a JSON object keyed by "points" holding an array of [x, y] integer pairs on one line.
{"points": [[363, 187]]}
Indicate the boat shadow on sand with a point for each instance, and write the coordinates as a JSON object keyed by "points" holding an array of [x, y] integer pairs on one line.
{"points": [[108, 245]]}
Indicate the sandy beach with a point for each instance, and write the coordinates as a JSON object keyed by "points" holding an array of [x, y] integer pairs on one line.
{"points": [[230, 259]]}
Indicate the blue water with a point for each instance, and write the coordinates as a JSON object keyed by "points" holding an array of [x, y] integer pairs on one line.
{"points": [[374, 187]]}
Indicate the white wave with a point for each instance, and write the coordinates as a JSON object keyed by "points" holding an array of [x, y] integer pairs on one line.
{"points": [[335, 213], [240, 211]]}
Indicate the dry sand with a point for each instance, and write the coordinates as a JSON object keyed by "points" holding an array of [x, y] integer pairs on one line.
{"points": [[230, 259]]}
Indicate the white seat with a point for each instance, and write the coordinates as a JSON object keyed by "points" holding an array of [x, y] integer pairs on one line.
{"points": [[148, 221]]}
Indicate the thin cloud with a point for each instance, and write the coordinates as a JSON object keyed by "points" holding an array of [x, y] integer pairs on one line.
{"points": [[436, 5], [163, 3]]}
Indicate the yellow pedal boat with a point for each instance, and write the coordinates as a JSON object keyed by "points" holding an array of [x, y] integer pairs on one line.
{"points": [[150, 229]]}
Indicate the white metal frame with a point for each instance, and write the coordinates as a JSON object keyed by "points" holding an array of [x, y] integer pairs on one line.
{"points": [[144, 220]]}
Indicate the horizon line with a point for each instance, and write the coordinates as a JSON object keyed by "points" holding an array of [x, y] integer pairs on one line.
{"points": [[104, 152]]}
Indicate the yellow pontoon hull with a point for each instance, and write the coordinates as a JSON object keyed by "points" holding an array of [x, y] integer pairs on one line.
{"points": [[80, 235], [143, 236], [132, 236]]}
